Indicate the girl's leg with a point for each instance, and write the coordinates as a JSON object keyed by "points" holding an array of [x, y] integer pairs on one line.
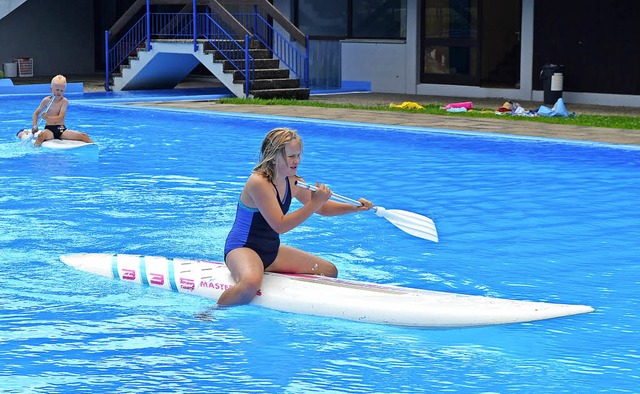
{"points": [[247, 269], [295, 261]]}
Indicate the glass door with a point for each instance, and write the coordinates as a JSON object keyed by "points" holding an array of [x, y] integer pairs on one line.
{"points": [[450, 42]]}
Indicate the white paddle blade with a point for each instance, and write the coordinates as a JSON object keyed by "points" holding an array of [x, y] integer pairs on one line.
{"points": [[409, 222]]}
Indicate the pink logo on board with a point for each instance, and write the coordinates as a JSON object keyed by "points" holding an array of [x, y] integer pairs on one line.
{"points": [[128, 274]]}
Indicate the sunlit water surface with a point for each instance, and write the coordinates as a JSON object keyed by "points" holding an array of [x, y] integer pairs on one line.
{"points": [[518, 218]]}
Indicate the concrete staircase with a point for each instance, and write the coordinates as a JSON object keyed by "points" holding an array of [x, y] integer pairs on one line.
{"points": [[170, 61]]}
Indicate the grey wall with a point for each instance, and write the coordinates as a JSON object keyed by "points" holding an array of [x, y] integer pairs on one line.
{"points": [[58, 35]]}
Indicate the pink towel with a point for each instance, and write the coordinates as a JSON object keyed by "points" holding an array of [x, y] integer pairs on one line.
{"points": [[467, 104]]}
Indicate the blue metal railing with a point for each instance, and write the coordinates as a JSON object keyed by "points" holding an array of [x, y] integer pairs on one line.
{"points": [[282, 48], [171, 26], [229, 47], [183, 26], [117, 54]]}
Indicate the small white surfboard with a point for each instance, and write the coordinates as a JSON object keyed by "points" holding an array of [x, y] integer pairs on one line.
{"points": [[67, 144], [55, 144]]}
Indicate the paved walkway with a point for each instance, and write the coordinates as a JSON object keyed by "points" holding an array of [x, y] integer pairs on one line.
{"points": [[503, 126]]}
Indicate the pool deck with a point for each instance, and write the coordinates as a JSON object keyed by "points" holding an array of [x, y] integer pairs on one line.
{"points": [[504, 125], [501, 126]]}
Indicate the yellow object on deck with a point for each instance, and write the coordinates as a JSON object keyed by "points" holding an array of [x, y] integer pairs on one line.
{"points": [[407, 105]]}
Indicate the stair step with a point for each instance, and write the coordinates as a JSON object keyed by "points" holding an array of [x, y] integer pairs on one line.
{"points": [[293, 93], [237, 54], [263, 74], [253, 44], [280, 83], [259, 64]]}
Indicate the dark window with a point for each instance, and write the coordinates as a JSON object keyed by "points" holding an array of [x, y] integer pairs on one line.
{"points": [[339, 19], [325, 18], [379, 19]]}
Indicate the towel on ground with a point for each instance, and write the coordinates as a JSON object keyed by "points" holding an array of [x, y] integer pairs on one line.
{"points": [[558, 109], [407, 105]]}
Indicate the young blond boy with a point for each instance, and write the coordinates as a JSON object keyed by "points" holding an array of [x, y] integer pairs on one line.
{"points": [[54, 116]]}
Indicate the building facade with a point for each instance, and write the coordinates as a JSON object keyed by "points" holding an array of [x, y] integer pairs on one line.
{"points": [[476, 48], [467, 48]]}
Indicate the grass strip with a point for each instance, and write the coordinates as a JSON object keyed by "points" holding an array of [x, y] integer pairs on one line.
{"points": [[607, 121]]}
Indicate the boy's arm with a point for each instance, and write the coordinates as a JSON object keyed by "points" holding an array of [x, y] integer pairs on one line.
{"points": [[36, 115]]}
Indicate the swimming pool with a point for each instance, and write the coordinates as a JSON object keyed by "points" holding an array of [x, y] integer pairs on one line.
{"points": [[518, 218]]}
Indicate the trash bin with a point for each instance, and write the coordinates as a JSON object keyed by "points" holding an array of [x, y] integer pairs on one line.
{"points": [[10, 70], [552, 77]]}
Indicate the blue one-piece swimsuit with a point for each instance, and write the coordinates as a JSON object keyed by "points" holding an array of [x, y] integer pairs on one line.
{"points": [[251, 230]]}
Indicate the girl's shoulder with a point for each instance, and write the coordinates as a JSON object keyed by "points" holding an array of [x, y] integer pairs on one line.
{"points": [[256, 176], [257, 180]]}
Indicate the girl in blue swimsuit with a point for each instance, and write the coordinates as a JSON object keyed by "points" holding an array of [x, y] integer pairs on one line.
{"points": [[253, 245]]}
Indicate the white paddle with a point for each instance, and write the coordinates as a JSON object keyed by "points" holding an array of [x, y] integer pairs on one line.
{"points": [[409, 222]]}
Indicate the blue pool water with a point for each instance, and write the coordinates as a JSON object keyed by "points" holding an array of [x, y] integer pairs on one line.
{"points": [[518, 218]]}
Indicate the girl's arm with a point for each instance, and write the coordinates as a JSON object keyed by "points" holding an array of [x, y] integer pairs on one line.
{"points": [[335, 208], [264, 197], [332, 208]]}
